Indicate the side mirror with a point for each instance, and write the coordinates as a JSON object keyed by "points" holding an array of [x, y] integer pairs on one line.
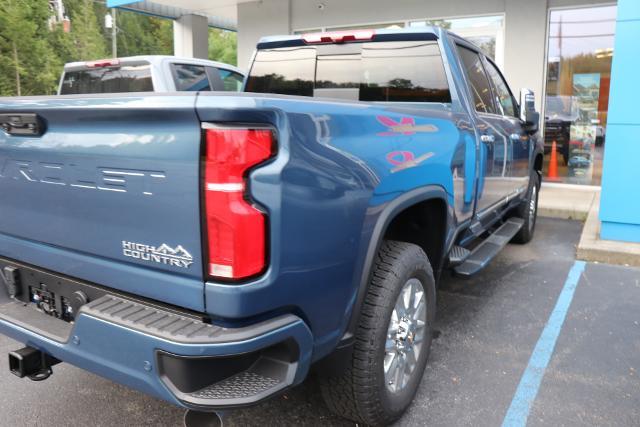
{"points": [[528, 113]]}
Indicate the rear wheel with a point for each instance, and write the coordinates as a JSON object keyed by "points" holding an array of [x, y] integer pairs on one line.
{"points": [[528, 210], [392, 341]]}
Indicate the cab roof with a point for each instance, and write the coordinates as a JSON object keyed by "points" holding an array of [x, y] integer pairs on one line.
{"points": [[384, 34], [151, 59]]}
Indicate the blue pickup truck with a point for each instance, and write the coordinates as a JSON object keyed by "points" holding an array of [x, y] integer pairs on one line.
{"points": [[211, 248]]}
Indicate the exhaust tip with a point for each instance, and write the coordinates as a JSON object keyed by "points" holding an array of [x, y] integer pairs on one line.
{"points": [[202, 419]]}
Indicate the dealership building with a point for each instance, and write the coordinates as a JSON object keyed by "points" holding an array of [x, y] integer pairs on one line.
{"points": [[578, 56]]}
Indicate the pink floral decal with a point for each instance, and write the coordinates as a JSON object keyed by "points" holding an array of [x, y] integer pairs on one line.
{"points": [[404, 126]]}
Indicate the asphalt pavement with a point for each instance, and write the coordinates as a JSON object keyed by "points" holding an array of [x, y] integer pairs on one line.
{"points": [[488, 334]]}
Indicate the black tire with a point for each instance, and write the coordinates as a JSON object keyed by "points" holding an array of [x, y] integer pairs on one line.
{"points": [[523, 211], [361, 393]]}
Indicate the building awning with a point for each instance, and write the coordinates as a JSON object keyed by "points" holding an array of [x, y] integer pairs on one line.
{"points": [[219, 13]]}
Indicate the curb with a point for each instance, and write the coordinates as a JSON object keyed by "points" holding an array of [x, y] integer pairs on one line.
{"points": [[592, 248]]}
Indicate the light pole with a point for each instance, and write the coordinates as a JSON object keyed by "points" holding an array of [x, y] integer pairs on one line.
{"points": [[110, 22], [114, 37]]}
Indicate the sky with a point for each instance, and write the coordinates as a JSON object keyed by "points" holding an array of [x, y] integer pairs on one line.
{"points": [[597, 23]]}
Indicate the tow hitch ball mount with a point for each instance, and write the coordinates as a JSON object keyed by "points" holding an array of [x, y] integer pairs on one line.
{"points": [[31, 363]]}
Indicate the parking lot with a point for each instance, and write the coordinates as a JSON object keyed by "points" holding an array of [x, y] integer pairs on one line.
{"points": [[487, 330]]}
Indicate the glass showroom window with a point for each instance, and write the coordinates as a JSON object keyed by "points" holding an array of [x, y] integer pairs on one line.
{"points": [[580, 50], [487, 32], [384, 25]]}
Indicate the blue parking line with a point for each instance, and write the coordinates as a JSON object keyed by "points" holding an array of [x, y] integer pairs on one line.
{"points": [[530, 383]]}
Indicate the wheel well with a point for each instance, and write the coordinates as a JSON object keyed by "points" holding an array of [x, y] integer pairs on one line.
{"points": [[423, 224], [537, 164]]}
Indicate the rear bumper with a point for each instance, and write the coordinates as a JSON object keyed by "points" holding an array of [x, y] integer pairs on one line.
{"points": [[176, 358]]}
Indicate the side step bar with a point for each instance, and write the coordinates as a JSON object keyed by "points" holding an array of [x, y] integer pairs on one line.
{"points": [[458, 255], [489, 248]]}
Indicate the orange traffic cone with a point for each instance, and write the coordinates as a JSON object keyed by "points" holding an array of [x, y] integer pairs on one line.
{"points": [[553, 164]]}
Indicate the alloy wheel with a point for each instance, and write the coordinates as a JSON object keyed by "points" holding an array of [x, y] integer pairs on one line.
{"points": [[405, 335]]}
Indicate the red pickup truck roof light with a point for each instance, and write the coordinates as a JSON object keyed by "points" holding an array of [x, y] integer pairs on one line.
{"points": [[103, 63], [339, 36], [236, 229]]}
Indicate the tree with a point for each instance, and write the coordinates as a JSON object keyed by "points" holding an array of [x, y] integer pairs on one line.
{"points": [[27, 64], [223, 46], [86, 30], [143, 35], [33, 52], [443, 23]]}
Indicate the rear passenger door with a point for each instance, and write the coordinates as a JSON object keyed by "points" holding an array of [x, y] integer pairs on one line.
{"points": [[511, 126], [494, 145]]}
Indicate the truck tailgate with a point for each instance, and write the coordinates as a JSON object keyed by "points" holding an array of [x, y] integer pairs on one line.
{"points": [[108, 194]]}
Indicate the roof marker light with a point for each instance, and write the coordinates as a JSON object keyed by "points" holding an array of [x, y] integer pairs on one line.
{"points": [[103, 63], [339, 36]]}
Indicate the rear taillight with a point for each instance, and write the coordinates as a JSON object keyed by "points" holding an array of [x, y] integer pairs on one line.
{"points": [[236, 229]]}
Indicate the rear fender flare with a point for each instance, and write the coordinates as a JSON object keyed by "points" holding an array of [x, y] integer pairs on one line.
{"points": [[393, 208]]}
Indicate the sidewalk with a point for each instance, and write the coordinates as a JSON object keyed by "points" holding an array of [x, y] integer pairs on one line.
{"points": [[566, 201], [583, 203], [592, 248]]}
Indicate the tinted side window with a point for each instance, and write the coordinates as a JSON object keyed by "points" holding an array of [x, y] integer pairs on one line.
{"points": [[480, 88], [231, 80], [505, 99], [108, 80], [288, 71], [190, 77]]}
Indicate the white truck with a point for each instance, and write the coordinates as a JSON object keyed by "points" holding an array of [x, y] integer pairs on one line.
{"points": [[149, 73]]}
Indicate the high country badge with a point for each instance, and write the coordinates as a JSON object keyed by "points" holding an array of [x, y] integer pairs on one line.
{"points": [[163, 254]]}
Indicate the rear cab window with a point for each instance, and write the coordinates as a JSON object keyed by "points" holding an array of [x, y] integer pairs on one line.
{"points": [[377, 71], [108, 79], [287, 71]]}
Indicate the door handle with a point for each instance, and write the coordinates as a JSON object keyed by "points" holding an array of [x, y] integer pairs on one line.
{"points": [[22, 124], [523, 139], [487, 138], [519, 137]]}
